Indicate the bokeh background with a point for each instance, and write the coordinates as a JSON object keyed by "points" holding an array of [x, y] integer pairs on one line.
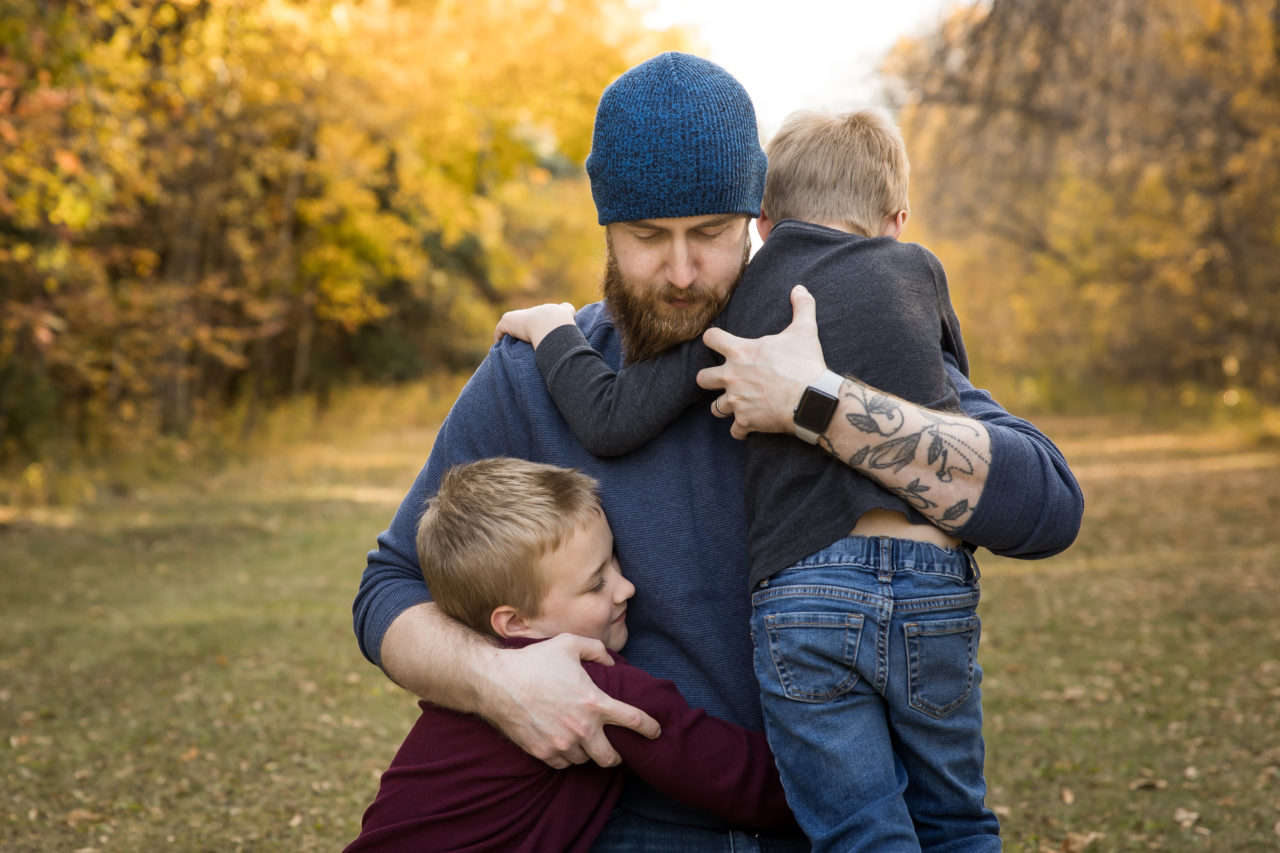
{"points": [[249, 248]]}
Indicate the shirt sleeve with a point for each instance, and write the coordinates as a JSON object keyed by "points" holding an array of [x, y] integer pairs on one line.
{"points": [[1031, 506], [952, 341], [488, 419], [698, 759], [610, 412]]}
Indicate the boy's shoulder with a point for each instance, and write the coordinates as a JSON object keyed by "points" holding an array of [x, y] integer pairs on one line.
{"points": [[795, 236]]}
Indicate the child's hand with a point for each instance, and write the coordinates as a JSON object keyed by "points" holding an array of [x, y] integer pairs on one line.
{"points": [[533, 324]]}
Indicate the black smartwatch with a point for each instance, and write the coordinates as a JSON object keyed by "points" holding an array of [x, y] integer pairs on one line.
{"points": [[817, 406]]}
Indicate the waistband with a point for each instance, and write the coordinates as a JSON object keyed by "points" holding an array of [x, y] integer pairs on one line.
{"points": [[882, 552]]}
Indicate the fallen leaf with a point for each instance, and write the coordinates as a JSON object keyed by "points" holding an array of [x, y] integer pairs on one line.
{"points": [[1148, 785], [78, 816], [1076, 842], [296, 820], [1185, 817], [1067, 796]]}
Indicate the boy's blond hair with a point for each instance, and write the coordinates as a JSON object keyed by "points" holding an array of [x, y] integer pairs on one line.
{"points": [[483, 533], [849, 169]]}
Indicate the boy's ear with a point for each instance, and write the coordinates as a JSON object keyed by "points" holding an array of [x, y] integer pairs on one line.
{"points": [[764, 225], [894, 224], [507, 622]]}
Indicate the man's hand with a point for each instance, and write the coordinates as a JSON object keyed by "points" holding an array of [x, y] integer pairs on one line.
{"points": [[763, 378], [533, 324], [552, 709]]}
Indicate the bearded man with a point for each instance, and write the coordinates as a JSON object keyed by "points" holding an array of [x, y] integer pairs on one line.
{"points": [[677, 173]]}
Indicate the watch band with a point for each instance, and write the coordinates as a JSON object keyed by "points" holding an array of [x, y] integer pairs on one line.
{"points": [[823, 392]]}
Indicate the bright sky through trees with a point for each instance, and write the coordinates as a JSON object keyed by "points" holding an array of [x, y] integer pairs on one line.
{"points": [[820, 54]]}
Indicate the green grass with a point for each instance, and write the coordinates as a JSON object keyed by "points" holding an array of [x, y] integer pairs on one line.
{"points": [[177, 669]]}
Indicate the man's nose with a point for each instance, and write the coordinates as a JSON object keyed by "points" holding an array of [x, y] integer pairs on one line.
{"points": [[682, 268]]}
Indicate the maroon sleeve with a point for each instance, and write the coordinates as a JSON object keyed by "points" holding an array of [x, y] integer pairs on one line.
{"points": [[698, 759]]}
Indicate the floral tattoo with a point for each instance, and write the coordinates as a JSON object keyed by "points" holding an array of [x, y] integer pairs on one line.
{"points": [[947, 442]]}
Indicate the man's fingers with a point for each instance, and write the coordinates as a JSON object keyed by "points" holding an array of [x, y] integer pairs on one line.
{"points": [[803, 308], [720, 340], [599, 750], [619, 713], [585, 649]]}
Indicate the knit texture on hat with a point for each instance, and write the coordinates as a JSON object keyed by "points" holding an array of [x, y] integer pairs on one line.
{"points": [[675, 136]]}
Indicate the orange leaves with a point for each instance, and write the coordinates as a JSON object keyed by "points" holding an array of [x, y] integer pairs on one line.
{"points": [[216, 198]]}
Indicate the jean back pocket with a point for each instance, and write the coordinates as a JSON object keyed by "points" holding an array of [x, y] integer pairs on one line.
{"points": [[814, 653], [941, 657]]}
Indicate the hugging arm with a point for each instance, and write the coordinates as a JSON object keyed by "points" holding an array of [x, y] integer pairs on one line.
{"points": [[701, 760], [985, 476], [610, 412]]}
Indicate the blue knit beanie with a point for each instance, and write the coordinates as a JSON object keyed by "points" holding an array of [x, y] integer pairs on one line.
{"points": [[675, 136]]}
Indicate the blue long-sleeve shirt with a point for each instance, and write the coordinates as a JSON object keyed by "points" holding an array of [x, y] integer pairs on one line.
{"points": [[679, 521]]}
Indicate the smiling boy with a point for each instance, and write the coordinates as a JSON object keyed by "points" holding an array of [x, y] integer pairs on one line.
{"points": [[522, 552]]}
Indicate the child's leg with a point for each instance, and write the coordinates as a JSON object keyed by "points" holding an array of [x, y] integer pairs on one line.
{"points": [[820, 640], [935, 701]]}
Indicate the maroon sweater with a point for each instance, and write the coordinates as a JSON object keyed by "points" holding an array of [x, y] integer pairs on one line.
{"points": [[457, 784]]}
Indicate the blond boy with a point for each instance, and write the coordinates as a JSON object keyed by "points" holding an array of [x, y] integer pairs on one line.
{"points": [[522, 552]]}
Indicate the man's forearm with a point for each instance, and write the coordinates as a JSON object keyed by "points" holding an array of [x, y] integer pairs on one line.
{"points": [[936, 462], [437, 658]]}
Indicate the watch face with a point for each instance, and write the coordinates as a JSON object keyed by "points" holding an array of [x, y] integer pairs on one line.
{"points": [[815, 410]]}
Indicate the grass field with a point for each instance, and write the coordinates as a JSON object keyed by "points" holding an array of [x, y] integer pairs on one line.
{"points": [[177, 669]]}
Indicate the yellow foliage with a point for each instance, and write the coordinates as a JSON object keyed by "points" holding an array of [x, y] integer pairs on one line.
{"points": [[210, 193], [1107, 183]]}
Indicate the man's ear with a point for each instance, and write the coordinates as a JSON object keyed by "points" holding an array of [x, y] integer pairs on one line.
{"points": [[894, 224], [507, 622], [764, 225]]}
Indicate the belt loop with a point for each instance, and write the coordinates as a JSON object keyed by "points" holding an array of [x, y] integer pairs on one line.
{"points": [[884, 558], [973, 563]]}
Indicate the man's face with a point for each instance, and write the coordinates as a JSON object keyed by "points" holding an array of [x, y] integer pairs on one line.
{"points": [[667, 279]]}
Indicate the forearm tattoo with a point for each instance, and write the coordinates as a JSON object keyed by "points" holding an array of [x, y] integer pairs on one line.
{"points": [[947, 443]]}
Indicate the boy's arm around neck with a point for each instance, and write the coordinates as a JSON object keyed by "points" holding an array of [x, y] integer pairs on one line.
{"points": [[615, 412]]}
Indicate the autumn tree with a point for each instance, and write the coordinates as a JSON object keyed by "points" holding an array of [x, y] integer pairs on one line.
{"points": [[1107, 175], [216, 203]]}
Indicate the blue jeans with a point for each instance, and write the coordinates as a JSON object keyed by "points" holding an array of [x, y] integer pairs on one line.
{"points": [[627, 832], [866, 653]]}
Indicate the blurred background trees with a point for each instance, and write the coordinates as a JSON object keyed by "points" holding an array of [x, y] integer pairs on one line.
{"points": [[209, 206], [1104, 181]]}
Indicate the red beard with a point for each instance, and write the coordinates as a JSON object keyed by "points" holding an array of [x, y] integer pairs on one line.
{"points": [[646, 318]]}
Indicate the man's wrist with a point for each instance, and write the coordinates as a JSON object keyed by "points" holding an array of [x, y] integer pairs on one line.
{"points": [[817, 406]]}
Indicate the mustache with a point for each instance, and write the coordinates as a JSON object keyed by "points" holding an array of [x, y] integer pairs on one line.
{"points": [[696, 292]]}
